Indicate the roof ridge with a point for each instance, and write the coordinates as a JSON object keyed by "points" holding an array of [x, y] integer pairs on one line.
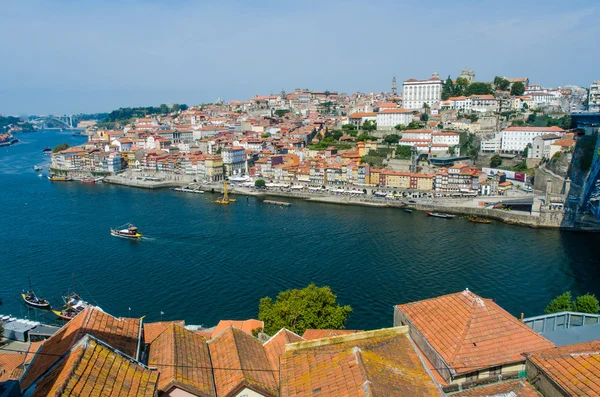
{"points": [[463, 336]]}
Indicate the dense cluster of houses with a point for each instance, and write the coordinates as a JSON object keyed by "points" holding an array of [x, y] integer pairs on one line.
{"points": [[283, 138], [453, 345]]}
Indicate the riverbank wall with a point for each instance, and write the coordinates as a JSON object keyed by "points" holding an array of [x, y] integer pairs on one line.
{"points": [[541, 219]]}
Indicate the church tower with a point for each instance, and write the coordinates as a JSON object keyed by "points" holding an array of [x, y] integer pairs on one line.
{"points": [[394, 92]]}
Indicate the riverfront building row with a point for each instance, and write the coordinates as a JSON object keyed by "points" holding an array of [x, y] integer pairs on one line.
{"points": [[453, 345]]}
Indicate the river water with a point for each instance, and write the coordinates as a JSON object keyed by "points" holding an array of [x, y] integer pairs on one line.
{"points": [[203, 262]]}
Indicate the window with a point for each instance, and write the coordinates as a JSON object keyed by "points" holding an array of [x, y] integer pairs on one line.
{"points": [[495, 371], [472, 377]]}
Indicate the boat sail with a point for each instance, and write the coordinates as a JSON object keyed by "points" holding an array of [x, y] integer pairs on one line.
{"points": [[224, 199]]}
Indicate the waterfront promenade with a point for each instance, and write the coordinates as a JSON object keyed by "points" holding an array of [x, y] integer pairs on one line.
{"points": [[425, 201]]}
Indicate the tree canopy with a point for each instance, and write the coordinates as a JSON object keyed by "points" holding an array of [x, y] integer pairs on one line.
{"points": [[495, 161], [301, 309], [517, 89], [369, 125], [561, 303], [391, 139], [478, 88], [501, 83], [259, 183], [60, 147], [587, 303]]}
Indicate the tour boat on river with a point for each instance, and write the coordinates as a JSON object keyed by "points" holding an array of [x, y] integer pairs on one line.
{"points": [[128, 231]]}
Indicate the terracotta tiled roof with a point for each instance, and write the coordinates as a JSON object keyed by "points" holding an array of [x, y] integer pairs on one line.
{"points": [[152, 330], [183, 361], [275, 346], [93, 369], [8, 363], [575, 368], [518, 388], [33, 348], [239, 361], [120, 333], [311, 334], [374, 363], [470, 332], [245, 325]]}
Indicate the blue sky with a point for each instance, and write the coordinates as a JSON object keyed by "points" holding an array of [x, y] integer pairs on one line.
{"points": [[69, 56]]}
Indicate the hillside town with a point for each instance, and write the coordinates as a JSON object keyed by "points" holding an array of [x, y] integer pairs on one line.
{"points": [[415, 140], [452, 345]]}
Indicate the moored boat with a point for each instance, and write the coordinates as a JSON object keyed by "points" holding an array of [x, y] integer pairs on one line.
{"points": [[37, 168], [47, 150], [477, 219], [128, 231], [65, 313], [440, 215], [88, 180], [57, 178], [31, 299], [225, 198], [408, 210]]}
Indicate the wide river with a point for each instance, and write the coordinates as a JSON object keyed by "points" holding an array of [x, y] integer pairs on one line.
{"points": [[203, 262]]}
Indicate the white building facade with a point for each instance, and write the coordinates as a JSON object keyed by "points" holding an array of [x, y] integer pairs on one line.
{"points": [[390, 118], [516, 139], [417, 92]]}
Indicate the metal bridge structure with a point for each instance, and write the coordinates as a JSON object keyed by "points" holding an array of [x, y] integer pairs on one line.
{"points": [[65, 121], [590, 122]]}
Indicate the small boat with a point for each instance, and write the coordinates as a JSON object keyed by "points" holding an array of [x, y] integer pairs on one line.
{"points": [[47, 150], [477, 219], [65, 313], [88, 180], [74, 301], [37, 168], [56, 178], [126, 231], [32, 300], [440, 215], [408, 210], [40, 175]]}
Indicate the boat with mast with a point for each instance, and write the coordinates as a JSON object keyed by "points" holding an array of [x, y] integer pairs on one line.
{"points": [[73, 304], [31, 299]]}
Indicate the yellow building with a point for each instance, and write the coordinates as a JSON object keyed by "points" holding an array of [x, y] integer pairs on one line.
{"points": [[214, 168]]}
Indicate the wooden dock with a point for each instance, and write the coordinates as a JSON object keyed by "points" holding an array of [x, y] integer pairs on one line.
{"points": [[281, 203]]}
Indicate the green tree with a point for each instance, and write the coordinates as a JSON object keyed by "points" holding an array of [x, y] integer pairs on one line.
{"points": [[369, 125], [460, 86], [364, 136], [448, 89], [281, 112], [391, 139], [400, 127], [164, 109], [495, 161], [300, 309], [265, 135], [517, 89], [349, 127], [479, 88], [60, 147], [518, 123], [424, 117], [183, 107], [587, 303], [259, 183], [403, 152], [337, 134], [175, 108], [531, 118], [561, 303], [501, 83]]}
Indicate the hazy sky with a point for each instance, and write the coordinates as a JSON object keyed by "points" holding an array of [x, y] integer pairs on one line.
{"points": [[69, 56]]}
